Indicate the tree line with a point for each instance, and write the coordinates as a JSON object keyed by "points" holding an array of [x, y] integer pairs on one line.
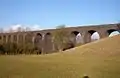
{"points": [[21, 48]]}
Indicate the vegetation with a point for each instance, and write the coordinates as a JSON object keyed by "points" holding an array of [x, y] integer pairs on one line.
{"points": [[99, 59], [13, 48], [61, 38], [21, 48]]}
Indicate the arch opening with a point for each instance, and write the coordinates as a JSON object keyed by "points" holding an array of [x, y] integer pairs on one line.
{"points": [[37, 41], [4, 38], [48, 36], [95, 36], [38, 34], [75, 40], [20, 38], [91, 31], [15, 38], [76, 37], [110, 31], [92, 36], [9, 38], [48, 45], [37, 38], [75, 33], [113, 32]]}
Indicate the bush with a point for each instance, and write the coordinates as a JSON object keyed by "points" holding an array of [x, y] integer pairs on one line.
{"points": [[68, 45], [21, 48], [2, 51]]}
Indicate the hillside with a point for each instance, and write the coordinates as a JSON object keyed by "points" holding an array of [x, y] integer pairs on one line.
{"points": [[99, 59], [108, 46]]}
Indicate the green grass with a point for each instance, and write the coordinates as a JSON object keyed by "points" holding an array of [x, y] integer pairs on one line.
{"points": [[97, 60]]}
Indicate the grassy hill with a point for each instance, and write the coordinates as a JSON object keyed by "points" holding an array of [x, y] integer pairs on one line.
{"points": [[99, 59]]}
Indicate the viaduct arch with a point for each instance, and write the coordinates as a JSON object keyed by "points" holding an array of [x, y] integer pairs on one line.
{"points": [[43, 39]]}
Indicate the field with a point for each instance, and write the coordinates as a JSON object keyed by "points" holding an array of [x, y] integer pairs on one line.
{"points": [[99, 59]]}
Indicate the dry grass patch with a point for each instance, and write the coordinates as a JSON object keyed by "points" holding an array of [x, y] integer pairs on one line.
{"points": [[99, 59]]}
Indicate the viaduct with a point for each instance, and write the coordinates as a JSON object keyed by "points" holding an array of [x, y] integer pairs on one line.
{"points": [[43, 38]]}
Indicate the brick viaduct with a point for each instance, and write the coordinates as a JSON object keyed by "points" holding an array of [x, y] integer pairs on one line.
{"points": [[43, 38]]}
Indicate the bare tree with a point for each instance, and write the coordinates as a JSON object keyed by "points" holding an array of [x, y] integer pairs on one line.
{"points": [[19, 29], [27, 29], [118, 25], [60, 37], [10, 30], [1, 30]]}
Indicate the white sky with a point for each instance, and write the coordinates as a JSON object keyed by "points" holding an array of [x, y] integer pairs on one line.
{"points": [[14, 28]]}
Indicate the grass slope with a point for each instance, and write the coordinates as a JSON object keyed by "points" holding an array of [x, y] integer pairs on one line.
{"points": [[99, 59]]}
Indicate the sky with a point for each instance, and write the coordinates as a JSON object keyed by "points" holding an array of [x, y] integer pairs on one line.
{"points": [[47, 14]]}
